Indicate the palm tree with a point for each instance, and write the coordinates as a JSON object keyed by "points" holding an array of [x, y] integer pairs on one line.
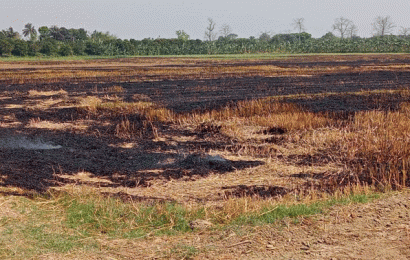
{"points": [[56, 33], [10, 33], [29, 30]]}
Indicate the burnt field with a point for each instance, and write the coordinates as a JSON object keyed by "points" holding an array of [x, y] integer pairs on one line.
{"points": [[133, 122], [191, 157], [189, 84]]}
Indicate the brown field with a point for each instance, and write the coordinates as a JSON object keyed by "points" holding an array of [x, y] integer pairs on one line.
{"points": [[230, 135]]}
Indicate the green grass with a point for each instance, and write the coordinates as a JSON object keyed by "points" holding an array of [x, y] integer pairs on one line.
{"points": [[272, 55], [50, 241], [271, 215], [200, 56], [62, 58], [117, 219], [65, 223]]}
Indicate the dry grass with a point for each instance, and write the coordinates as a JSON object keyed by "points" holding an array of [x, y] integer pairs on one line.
{"points": [[376, 147], [371, 148], [131, 120], [236, 120], [36, 93], [148, 110], [116, 88]]}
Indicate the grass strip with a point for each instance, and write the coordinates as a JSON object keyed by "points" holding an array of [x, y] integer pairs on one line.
{"points": [[91, 216], [65, 223], [244, 56], [272, 214]]}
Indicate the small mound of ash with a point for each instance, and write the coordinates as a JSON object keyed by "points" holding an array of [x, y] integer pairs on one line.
{"points": [[206, 161]]}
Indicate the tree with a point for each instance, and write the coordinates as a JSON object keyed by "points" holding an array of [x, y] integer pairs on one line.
{"points": [[182, 35], [44, 32], [29, 30], [351, 31], [264, 36], [48, 47], [33, 48], [100, 36], [210, 35], [232, 36], [328, 36], [93, 48], [65, 34], [5, 47], [79, 48], [298, 24], [404, 31], [343, 26], [10, 33], [225, 30], [79, 34], [383, 26], [65, 50], [20, 48], [56, 33]]}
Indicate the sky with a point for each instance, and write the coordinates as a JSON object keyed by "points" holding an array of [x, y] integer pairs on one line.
{"points": [[141, 19]]}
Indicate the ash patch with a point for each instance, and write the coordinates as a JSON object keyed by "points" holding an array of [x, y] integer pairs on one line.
{"points": [[206, 161], [22, 142]]}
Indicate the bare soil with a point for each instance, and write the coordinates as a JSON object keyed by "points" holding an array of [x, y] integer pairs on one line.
{"points": [[378, 230]]}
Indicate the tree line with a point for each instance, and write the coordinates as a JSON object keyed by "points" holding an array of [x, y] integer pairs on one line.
{"points": [[60, 41]]}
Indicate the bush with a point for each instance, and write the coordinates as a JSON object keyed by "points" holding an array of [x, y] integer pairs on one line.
{"points": [[78, 48], [65, 50], [48, 48], [5, 47], [93, 48], [20, 48], [33, 48]]}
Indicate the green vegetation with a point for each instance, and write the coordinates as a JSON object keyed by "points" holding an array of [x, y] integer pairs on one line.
{"points": [[273, 214], [59, 222], [60, 41], [91, 216]]}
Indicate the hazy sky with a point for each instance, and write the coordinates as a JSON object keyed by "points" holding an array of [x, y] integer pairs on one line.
{"points": [[153, 18]]}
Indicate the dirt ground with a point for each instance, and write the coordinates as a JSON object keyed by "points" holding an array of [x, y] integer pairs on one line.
{"points": [[38, 106], [377, 230]]}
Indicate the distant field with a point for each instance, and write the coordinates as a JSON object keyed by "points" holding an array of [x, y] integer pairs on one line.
{"points": [[203, 56], [184, 84], [155, 152]]}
